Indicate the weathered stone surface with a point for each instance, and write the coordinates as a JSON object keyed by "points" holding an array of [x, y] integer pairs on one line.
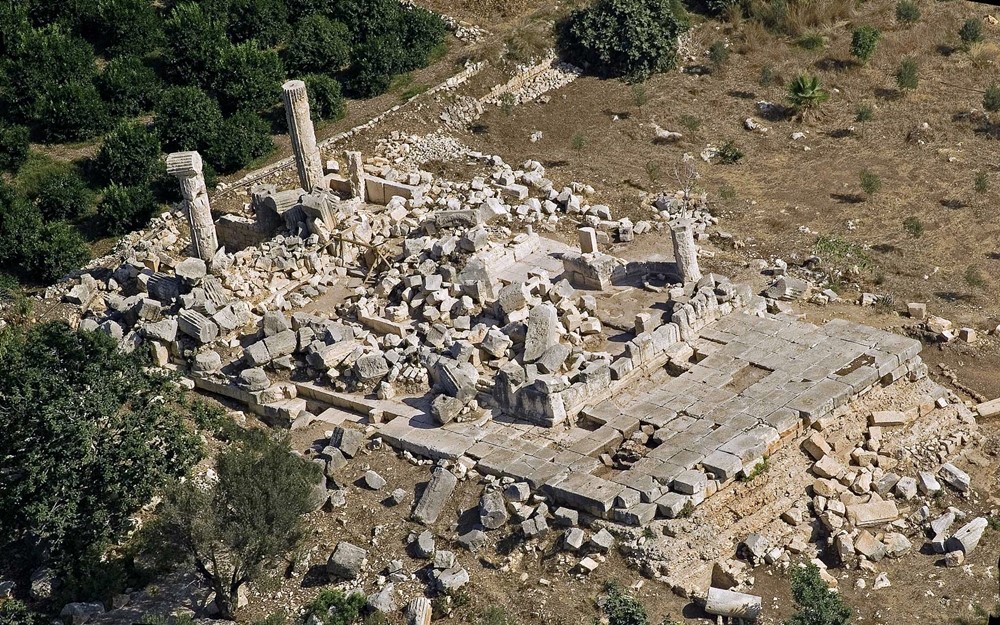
{"points": [[435, 496], [349, 441], [346, 561], [445, 409], [967, 538], [191, 269], [197, 326], [419, 611], [423, 546], [869, 547], [384, 601], [80, 613], [828, 467], [473, 539], [373, 480], [254, 379], [690, 482], [371, 367], [493, 510], [955, 477], [165, 330], [573, 538], [602, 541], [872, 514], [542, 333], [450, 580]]}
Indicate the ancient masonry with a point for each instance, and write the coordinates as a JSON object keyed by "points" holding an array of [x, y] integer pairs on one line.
{"points": [[409, 302]]}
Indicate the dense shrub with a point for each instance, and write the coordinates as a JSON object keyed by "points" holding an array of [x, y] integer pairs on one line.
{"points": [[864, 41], [622, 608], [249, 78], [63, 195], [13, 147], [20, 227], [719, 7], [60, 250], [265, 21], [325, 99], [194, 43], [423, 34], [627, 38], [334, 607], [243, 137], [130, 155], [318, 45], [129, 86], [123, 209], [871, 183], [907, 12], [49, 85], [991, 99], [127, 27], [908, 74], [971, 31], [14, 612], [105, 436], [372, 70], [817, 604], [187, 118]]}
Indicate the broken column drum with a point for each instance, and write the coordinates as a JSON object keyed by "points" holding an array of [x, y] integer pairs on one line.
{"points": [[187, 168], [302, 134], [685, 250]]}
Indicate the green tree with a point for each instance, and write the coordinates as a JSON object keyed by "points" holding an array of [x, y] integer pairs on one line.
{"points": [[194, 43], [239, 526], [63, 195], [128, 86], [971, 31], [991, 99], [20, 229], [243, 137], [187, 118], [123, 209], [373, 69], [864, 41], [871, 183], [127, 27], [14, 612], [817, 604], [908, 74], [248, 78], [60, 250], [129, 155], [325, 99], [86, 441], [14, 147], [625, 38], [806, 94], [318, 45], [264, 21]]}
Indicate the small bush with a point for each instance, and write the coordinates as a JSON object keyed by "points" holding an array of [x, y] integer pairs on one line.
{"points": [[870, 182], [622, 608], [14, 612], [908, 74], [318, 45], [326, 102], [195, 40], [123, 209], [971, 31], [242, 138], [864, 41], [767, 77], [719, 7], [63, 195], [974, 277], [689, 122], [982, 183], [652, 171], [991, 99], [632, 39], [730, 153], [718, 54], [333, 607], [907, 12], [187, 119], [727, 193], [913, 226], [812, 41], [130, 155], [758, 470], [864, 113], [129, 86], [817, 604], [372, 70], [494, 615], [14, 147], [578, 142]]}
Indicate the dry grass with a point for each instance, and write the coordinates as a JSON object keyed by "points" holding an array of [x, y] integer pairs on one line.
{"points": [[984, 55]]}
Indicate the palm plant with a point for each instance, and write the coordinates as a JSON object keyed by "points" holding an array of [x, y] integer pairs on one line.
{"points": [[806, 94]]}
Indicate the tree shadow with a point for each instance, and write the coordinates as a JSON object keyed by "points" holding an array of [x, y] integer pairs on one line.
{"points": [[953, 204], [840, 133], [883, 93], [884, 248], [557, 163], [316, 576], [618, 114], [946, 50], [698, 70], [742, 95], [776, 113], [993, 255], [479, 129], [954, 296], [847, 198]]}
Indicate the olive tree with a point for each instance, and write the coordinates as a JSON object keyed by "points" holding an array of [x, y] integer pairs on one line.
{"points": [[238, 526]]}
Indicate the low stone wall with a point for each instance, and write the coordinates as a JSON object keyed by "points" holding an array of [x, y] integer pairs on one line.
{"points": [[238, 233]]}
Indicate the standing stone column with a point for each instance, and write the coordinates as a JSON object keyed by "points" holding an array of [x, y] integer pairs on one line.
{"points": [[300, 129], [187, 168], [356, 175], [685, 250]]}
